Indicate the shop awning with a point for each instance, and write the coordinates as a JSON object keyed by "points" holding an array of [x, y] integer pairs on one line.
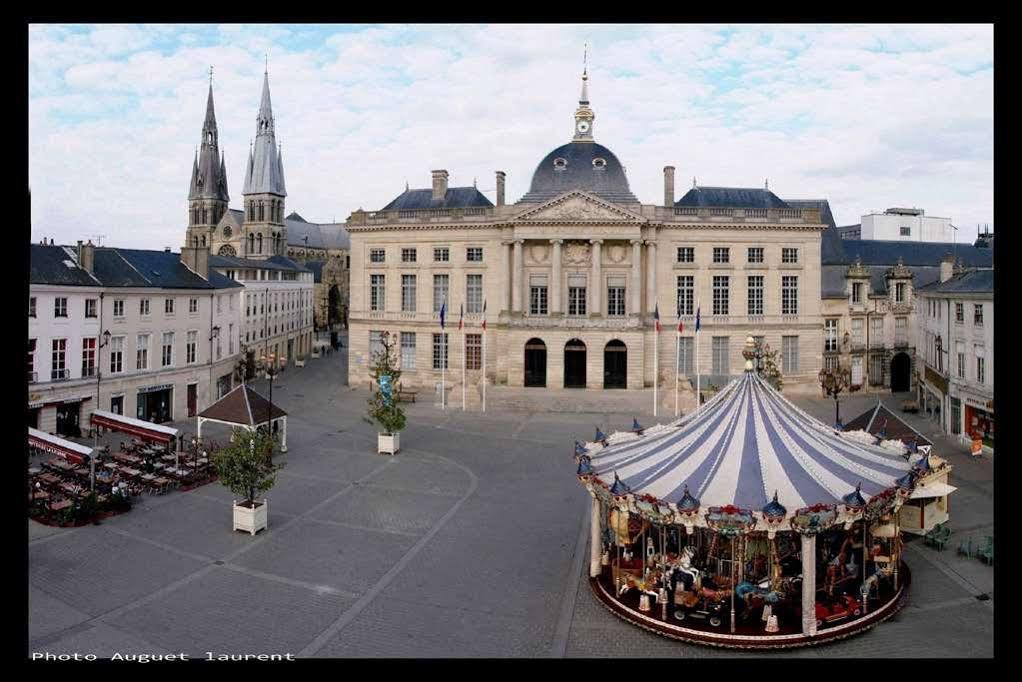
{"points": [[136, 427], [69, 450], [932, 490]]}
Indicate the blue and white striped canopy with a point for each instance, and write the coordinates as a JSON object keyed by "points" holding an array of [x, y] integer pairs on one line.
{"points": [[742, 446]]}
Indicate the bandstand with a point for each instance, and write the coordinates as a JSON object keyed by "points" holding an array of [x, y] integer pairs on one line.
{"points": [[747, 524]]}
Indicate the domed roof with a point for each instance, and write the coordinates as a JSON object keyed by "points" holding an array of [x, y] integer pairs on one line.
{"points": [[584, 165]]}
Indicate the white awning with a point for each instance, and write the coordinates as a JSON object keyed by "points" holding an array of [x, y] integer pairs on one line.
{"points": [[133, 426], [59, 442], [932, 490]]}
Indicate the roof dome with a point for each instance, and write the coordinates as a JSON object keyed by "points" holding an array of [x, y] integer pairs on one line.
{"points": [[774, 509], [583, 165], [687, 503]]}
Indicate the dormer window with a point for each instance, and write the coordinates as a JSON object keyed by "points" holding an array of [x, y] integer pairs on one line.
{"points": [[560, 163], [599, 164]]}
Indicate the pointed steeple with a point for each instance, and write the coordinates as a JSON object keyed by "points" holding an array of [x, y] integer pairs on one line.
{"points": [[584, 115], [209, 175], [265, 174]]}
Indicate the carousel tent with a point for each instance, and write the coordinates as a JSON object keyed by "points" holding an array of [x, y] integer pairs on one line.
{"points": [[739, 448]]}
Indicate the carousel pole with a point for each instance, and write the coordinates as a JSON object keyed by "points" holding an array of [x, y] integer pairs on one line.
{"points": [[809, 585], [865, 551], [594, 539], [896, 550], [733, 558]]}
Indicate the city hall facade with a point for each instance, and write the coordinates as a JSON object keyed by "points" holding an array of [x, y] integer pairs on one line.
{"points": [[570, 277]]}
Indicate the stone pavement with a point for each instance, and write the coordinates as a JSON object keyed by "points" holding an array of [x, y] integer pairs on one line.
{"points": [[471, 542]]}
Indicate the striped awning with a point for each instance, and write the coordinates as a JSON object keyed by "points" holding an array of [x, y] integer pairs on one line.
{"points": [[136, 427], [739, 448], [68, 449]]}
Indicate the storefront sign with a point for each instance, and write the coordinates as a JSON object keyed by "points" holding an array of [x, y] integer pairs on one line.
{"points": [[985, 405], [936, 379], [153, 389]]}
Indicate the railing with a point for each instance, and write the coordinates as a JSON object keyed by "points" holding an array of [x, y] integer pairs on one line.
{"points": [[809, 215], [361, 218], [60, 374]]}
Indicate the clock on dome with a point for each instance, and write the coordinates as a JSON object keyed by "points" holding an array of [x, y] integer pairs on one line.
{"points": [[582, 126]]}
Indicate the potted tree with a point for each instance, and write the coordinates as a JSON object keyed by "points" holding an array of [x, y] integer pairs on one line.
{"points": [[245, 466], [383, 407]]}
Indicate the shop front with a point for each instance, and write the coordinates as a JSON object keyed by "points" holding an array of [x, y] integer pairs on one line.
{"points": [[156, 403], [979, 420], [69, 415]]}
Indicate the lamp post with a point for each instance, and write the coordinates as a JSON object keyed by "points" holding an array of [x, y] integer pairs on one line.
{"points": [[214, 332], [833, 382], [270, 364]]}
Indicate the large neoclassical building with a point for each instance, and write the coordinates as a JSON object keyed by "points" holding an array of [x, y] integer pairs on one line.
{"points": [[572, 272]]}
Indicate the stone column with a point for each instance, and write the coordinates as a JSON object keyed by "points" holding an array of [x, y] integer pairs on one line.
{"points": [[650, 275], [594, 540], [505, 249], [596, 286], [809, 585], [516, 278], [555, 276], [636, 302]]}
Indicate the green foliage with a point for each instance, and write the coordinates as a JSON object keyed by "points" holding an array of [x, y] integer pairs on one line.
{"points": [[771, 372], [391, 418], [245, 466]]}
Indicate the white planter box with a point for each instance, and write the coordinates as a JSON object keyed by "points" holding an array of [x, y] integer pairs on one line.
{"points": [[299, 363], [250, 520], [388, 444]]}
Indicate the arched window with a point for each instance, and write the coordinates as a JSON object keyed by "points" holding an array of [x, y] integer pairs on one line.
{"points": [[262, 214], [251, 243], [203, 240], [204, 216], [259, 243]]}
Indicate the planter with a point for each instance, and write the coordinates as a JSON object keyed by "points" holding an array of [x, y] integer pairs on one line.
{"points": [[250, 519], [299, 363], [388, 443]]}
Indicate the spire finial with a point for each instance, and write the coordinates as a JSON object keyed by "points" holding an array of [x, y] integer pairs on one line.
{"points": [[210, 75], [266, 68], [766, 184], [693, 182], [585, 60], [406, 185]]}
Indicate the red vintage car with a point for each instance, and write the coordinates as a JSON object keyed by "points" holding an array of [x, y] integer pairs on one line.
{"points": [[837, 609]]}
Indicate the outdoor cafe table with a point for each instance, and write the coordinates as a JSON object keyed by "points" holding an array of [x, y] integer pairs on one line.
{"points": [[49, 479], [38, 495], [58, 506], [129, 459]]}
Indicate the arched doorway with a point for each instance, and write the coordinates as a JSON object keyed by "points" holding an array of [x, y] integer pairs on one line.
{"points": [[901, 372], [615, 364], [575, 364], [535, 363], [334, 313]]}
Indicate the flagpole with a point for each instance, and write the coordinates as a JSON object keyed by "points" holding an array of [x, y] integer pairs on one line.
{"points": [[677, 370], [443, 358], [484, 367], [656, 368], [464, 358], [698, 374]]}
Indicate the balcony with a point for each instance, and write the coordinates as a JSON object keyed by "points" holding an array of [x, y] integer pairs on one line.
{"points": [[751, 215]]}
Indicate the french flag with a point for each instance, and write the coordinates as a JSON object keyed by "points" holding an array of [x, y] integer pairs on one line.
{"points": [[443, 313], [461, 317], [656, 316], [484, 314], [681, 325], [697, 319]]}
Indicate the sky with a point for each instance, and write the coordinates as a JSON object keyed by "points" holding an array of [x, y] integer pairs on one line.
{"points": [[866, 116]]}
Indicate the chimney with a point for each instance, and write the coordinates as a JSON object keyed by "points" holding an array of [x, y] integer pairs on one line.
{"points": [[78, 253], [500, 188], [947, 265], [196, 259], [439, 184], [668, 186], [86, 256]]}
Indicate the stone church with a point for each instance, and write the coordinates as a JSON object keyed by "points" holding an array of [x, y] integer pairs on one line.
{"points": [[570, 276]]}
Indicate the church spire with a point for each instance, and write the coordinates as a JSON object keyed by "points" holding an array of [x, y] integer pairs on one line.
{"points": [[266, 171], [209, 178], [584, 115]]}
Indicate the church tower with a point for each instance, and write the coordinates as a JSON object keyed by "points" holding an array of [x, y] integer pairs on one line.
{"points": [[207, 195], [264, 233]]}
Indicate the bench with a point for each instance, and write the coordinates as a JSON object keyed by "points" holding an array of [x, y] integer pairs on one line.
{"points": [[406, 396]]}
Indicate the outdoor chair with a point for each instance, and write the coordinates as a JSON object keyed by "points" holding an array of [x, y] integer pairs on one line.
{"points": [[942, 536], [965, 547], [986, 550], [931, 535]]}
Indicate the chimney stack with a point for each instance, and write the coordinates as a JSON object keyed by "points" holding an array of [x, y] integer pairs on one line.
{"points": [[947, 265], [196, 259], [439, 184], [500, 188], [78, 253], [87, 256], [668, 186]]}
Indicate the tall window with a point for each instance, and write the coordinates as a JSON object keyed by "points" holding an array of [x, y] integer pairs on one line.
{"points": [[721, 254], [686, 295], [474, 254], [31, 306], [220, 304], [901, 331], [190, 345], [721, 294], [168, 306], [473, 293], [959, 312], [88, 357], [615, 300], [440, 287], [789, 255], [441, 254], [407, 350], [721, 361], [142, 351], [91, 307], [981, 366], [408, 293], [168, 348], [755, 294], [230, 338], [377, 255], [876, 331], [116, 354], [977, 314], [755, 254], [830, 334], [576, 300], [409, 255], [789, 295], [31, 360], [119, 307], [376, 292], [686, 360], [857, 292], [789, 354], [59, 368], [60, 307], [686, 254], [538, 300], [960, 352], [876, 369], [143, 307], [899, 292], [375, 344], [857, 338], [473, 351], [440, 351]]}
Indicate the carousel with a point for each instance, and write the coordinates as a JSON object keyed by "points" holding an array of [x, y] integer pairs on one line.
{"points": [[748, 523]]}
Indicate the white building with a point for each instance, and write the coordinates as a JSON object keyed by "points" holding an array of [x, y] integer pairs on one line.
{"points": [[129, 331], [956, 341], [906, 224]]}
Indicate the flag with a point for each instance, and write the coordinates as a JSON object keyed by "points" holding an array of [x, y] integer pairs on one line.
{"points": [[681, 325], [697, 319], [443, 313], [461, 317], [656, 316], [484, 314]]}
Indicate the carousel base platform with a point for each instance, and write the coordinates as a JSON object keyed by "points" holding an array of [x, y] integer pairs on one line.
{"points": [[747, 635]]}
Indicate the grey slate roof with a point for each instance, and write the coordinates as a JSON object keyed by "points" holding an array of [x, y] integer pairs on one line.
{"points": [[456, 197], [968, 282], [293, 215], [822, 204], [316, 266], [113, 267], [731, 197], [321, 236], [879, 252], [832, 280], [607, 182], [271, 263]]}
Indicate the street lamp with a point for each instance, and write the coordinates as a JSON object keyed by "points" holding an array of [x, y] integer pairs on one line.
{"points": [[833, 382], [272, 368]]}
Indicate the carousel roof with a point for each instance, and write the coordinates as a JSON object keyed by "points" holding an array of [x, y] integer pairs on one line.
{"points": [[739, 448]]}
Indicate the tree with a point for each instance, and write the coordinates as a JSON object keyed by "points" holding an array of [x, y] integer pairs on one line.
{"points": [[383, 408], [245, 465], [770, 371]]}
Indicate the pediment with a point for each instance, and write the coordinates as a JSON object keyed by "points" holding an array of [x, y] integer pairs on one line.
{"points": [[578, 206]]}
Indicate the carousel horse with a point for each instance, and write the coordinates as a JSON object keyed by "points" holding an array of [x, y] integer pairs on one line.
{"points": [[686, 572]]}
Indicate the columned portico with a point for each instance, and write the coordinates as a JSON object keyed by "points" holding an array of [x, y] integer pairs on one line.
{"points": [[555, 277], [596, 286]]}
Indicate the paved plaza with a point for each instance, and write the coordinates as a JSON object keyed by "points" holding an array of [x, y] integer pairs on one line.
{"points": [[471, 542]]}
